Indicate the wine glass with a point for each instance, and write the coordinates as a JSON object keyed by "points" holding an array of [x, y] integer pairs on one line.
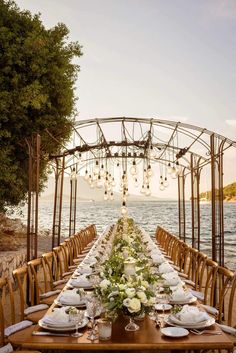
{"points": [[76, 316], [93, 309], [164, 299]]}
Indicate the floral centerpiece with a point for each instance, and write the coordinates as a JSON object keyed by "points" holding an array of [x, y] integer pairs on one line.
{"points": [[130, 292]]}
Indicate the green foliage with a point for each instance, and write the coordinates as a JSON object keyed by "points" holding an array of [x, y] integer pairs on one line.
{"points": [[229, 193], [37, 77]]}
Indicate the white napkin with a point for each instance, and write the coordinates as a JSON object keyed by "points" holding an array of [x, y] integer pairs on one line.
{"points": [[17, 327], [80, 281], [225, 328], [181, 294], [171, 279], [165, 268], [90, 260], [70, 297], [35, 308], [7, 348], [84, 270], [157, 259], [191, 314], [49, 294], [57, 318]]}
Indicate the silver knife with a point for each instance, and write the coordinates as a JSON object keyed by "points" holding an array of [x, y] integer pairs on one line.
{"points": [[44, 333]]}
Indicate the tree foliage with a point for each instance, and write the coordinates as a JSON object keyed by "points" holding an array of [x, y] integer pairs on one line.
{"points": [[37, 78]]}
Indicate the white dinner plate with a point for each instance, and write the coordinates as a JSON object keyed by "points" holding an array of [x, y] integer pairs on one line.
{"points": [[174, 331], [198, 325], [183, 301], [161, 307], [77, 285], [71, 327], [77, 305]]}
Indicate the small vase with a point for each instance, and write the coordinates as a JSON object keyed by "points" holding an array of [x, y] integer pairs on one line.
{"points": [[132, 326]]}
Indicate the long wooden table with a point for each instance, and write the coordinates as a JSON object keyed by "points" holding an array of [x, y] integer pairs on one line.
{"points": [[148, 337]]}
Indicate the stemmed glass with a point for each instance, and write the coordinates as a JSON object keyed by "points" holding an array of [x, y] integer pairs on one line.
{"points": [[163, 300], [93, 309], [76, 316]]}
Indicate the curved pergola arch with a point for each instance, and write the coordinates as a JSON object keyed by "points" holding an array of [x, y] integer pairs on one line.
{"points": [[126, 139]]}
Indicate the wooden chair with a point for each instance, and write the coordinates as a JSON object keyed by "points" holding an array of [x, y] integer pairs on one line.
{"points": [[6, 302], [39, 284], [35, 312], [50, 270]]}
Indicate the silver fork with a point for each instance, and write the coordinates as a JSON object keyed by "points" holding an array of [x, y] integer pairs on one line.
{"points": [[206, 332]]}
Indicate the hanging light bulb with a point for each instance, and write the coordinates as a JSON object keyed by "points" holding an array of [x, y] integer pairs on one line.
{"points": [[105, 196], [142, 191], [86, 175], [173, 173], [102, 171], [96, 168], [149, 171], [136, 184], [109, 187], [166, 182], [124, 208], [111, 196], [90, 179], [148, 191], [161, 179], [99, 182], [127, 192], [113, 183], [169, 169], [133, 169], [151, 152], [73, 174], [92, 185], [161, 187]]}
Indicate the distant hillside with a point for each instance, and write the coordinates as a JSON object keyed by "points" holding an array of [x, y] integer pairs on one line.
{"points": [[229, 193]]}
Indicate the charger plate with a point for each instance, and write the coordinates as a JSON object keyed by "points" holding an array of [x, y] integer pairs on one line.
{"points": [[199, 325]]}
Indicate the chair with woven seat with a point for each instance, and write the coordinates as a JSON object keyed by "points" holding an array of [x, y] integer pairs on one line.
{"points": [[35, 312], [39, 284], [6, 302]]}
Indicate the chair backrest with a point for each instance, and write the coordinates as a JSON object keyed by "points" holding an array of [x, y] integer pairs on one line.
{"points": [[49, 269], [224, 283], [6, 305], [210, 282], [21, 277], [231, 319], [38, 281], [201, 265]]}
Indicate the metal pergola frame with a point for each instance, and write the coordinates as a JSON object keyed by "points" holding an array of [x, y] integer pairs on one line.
{"points": [[169, 150]]}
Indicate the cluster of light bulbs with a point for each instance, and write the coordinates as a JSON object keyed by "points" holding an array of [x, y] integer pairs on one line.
{"points": [[99, 178]]}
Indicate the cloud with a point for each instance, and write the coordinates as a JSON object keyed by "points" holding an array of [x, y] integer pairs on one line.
{"points": [[231, 122], [221, 9]]}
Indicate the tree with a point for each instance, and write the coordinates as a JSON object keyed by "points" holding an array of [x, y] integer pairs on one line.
{"points": [[37, 78]]}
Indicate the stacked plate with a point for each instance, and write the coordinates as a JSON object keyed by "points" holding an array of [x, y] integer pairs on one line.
{"points": [[174, 321], [56, 326]]}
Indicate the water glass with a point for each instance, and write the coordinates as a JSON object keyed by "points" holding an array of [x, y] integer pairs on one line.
{"points": [[104, 329]]}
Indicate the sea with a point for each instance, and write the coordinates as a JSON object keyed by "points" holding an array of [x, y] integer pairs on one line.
{"points": [[148, 215]]}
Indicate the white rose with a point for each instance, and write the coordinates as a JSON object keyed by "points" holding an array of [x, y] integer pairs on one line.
{"points": [[134, 305], [142, 296], [121, 286], [151, 301], [145, 284], [126, 302], [130, 292], [104, 284]]}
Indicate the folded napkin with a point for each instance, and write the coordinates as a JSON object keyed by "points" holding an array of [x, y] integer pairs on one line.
{"points": [[84, 270], [210, 309], [165, 268], [7, 348], [17, 327], [157, 259], [225, 328], [191, 314], [57, 318], [49, 294], [171, 279], [70, 297], [90, 260], [198, 295], [81, 282], [35, 308], [180, 294]]}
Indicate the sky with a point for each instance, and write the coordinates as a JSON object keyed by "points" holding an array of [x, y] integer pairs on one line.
{"points": [[172, 59]]}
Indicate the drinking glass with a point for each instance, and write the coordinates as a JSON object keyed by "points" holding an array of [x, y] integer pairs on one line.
{"points": [[93, 309], [77, 316]]}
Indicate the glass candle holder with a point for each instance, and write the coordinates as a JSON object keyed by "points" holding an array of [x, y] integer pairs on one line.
{"points": [[104, 329]]}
